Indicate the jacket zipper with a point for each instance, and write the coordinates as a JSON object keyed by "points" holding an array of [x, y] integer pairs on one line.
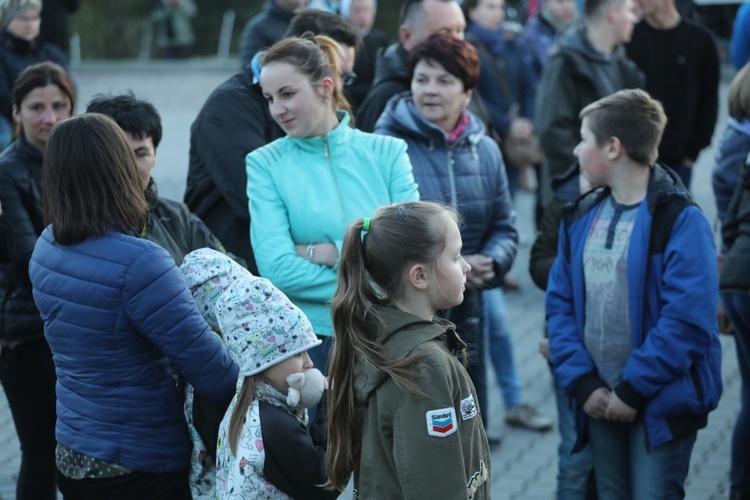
{"points": [[333, 174], [452, 179]]}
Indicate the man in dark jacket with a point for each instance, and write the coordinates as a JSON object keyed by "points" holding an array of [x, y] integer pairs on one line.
{"points": [[55, 21], [169, 224], [681, 62], [267, 28], [233, 122], [419, 20], [588, 64]]}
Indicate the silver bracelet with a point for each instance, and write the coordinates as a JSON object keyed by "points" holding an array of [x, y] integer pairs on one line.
{"points": [[310, 251]]}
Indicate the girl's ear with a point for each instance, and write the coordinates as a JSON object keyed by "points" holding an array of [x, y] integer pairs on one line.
{"points": [[327, 86], [418, 277]]}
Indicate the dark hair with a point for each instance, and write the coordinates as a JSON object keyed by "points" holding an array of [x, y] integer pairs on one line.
{"points": [[738, 96], [316, 57], [327, 24], [137, 117], [593, 8], [38, 76], [458, 57], [90, 180], [399, 235], [632, 116], [468, 5]]}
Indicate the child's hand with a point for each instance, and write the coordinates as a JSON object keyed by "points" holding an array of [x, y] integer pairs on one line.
{"points": [[617, 411], [597, 403]]}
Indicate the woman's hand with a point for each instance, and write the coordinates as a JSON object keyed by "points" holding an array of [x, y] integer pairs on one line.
{"points": [[482, 269], [324, 254]]}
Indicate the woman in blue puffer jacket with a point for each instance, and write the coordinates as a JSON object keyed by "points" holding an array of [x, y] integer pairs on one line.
{"points": [[123, 328], [735, 141], [456, 164]]}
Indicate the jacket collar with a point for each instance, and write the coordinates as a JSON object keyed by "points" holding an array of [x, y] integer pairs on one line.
{"points": [[338, 137], [401, 117], [399, 333], [663, 185], [392, 64], [16, 44], [29, 152], [279, 13]]}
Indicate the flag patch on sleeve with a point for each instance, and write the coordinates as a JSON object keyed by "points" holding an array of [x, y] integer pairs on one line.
{"points": [[442, 422], [468, 408]]}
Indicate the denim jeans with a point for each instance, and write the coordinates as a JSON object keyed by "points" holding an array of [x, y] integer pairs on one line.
{"points": [[28, 377], [497, 328], [467, 317], [573, 470], [627, 467], [737, 307]]}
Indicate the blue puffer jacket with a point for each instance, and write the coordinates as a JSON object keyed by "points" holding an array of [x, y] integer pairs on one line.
{"points": [[468, 175], [118, 318], [673, 375], [731, 155]]}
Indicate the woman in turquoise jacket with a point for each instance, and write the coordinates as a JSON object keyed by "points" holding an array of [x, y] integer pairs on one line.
{"points": [[307, 187]]}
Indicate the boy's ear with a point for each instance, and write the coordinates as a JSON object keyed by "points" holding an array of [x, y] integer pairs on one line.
{"points": [[614, 148], [418, 277]]}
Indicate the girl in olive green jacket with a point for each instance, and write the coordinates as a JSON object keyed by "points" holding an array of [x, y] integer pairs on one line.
{"points": [[403, 415]]}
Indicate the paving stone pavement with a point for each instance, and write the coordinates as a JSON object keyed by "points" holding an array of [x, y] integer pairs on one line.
{"points": [[524, 465]]}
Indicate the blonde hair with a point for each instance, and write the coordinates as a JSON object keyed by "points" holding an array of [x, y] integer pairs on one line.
{"points": [[739, 94]]}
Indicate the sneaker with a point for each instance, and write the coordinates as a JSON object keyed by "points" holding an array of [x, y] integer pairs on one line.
{"points": [[525, 415]]}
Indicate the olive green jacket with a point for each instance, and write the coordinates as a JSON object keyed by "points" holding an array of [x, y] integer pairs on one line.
{"points": [[419, 447]]}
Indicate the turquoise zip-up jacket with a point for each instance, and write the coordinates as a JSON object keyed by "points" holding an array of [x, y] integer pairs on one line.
{"points": [[305, 191]]}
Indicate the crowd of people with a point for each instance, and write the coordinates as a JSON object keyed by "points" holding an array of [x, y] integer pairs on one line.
{"points": [[324, 304]]}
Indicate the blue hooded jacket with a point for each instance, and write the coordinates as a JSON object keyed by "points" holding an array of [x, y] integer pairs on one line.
{"points": [[468, 175], [673, 375]]}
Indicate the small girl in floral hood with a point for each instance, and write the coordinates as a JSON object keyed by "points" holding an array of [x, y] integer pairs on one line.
{"points": [[207, 274], [264, 448]]}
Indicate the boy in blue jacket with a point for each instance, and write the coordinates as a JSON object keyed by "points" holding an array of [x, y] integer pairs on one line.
{"points": [[631, 305]]}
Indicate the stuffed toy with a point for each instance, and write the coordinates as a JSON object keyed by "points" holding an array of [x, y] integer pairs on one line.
{"points": [[306, 388]]}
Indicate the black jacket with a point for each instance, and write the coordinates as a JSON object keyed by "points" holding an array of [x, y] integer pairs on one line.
{"points": [[170, 225], [55, 21], [364, 66], [6, 239], [391, 78], [263, 30], [233, 122], [15, 56], [296, 474], [21, 195], [566, 188], [575, 76]]}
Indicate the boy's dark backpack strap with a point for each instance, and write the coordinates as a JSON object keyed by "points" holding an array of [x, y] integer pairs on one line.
{"points": [[663, 222]]}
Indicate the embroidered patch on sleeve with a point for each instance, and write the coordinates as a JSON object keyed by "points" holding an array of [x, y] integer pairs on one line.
{"points": [[468, 408], [442, 422]]}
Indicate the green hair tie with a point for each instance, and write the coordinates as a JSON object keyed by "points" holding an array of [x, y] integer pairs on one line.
{"points": [[366, 224]]}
